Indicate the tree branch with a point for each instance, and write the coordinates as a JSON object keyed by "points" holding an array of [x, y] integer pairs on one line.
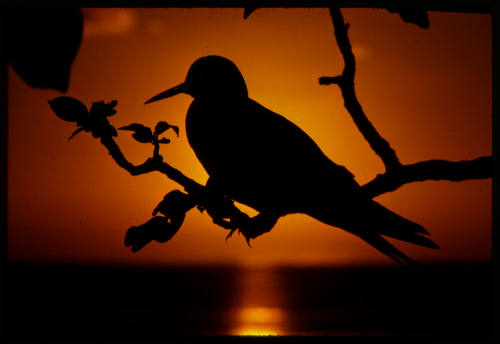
{"points": [[346, 83], [479, 168], [222, 210], [396, 174], [150, 165]]}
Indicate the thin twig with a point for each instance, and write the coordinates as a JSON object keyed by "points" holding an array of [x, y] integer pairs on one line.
{"points": [[346, 83], [479, 168], [223, 212], [396, 174], [150, 165]]}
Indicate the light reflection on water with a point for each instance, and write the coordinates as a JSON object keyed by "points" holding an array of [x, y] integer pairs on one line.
{"points": [[257, 321], [259, 307], [157, 303]]}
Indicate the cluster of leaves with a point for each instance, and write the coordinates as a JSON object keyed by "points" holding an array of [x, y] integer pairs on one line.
{"points": [[174, 207], [95, 121], [144, 134]]}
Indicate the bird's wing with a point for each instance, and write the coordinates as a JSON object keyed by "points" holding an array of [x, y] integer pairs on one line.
{"points": [[288, 152], [259, 157]]}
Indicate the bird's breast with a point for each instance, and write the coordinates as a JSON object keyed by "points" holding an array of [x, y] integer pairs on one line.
{"points": [[210, 136]]}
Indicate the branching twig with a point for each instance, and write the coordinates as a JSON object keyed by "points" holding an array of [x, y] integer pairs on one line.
{"points": [[396, 174], [346, 83], [430, 170], [222, 210], [150, 165], [175, 204]]}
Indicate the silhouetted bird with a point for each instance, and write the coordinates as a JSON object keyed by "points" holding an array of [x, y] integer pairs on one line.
{"points": [[259, 158]]}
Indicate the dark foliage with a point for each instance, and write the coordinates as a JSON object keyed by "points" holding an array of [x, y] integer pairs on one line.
{"points": [[42, 44], [95, 121]]}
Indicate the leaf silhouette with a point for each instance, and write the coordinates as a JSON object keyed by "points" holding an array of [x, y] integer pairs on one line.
{"points": [[167, 232], [42, 43], [158, 228], [76, 132], [162, 126], [68, 109], [248, 11], [164, 140], [141, 133], [103, 109], [105, 129], [137, 237], [176, 129], [72, 110], [175, 202], [415, 16]]}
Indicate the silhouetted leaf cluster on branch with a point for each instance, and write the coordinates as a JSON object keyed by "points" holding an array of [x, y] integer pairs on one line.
{"points": [[174, 207], [94, 121], [144, 134], [158, 229], [175, 204]]}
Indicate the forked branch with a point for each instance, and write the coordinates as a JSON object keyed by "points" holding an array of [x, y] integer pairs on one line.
{"points": [[396, 174], [221, 209], [479, 168], [346, 83]]}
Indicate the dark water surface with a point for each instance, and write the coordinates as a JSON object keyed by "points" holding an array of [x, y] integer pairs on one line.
{"points": [[87, 302]]}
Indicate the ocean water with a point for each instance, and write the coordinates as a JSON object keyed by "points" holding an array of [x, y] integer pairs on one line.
{"points": [[117, 302]]}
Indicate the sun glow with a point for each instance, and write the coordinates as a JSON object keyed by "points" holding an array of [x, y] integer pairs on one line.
{"points": [[261, 314], [259, 321], [259, 311], [256, 332]]}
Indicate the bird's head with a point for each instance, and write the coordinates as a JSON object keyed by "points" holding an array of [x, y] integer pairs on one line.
{"points": [[209, 77]]}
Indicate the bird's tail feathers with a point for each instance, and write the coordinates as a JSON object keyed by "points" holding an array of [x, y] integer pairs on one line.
{"points": [[386, 248], [378, 221], [372, 222], [392, 225]]}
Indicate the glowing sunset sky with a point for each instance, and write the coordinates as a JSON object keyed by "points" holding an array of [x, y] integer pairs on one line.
{"points": [[428, 92]]}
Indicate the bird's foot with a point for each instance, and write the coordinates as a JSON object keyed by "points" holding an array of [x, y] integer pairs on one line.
{"points": [[257, 225], [231, 233]]}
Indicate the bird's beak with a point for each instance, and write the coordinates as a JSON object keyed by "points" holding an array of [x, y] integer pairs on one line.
{"points": [[168, 93]]}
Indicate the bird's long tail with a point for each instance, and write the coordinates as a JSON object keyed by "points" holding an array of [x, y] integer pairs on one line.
{"points": [[370, 221], [381, 221]]}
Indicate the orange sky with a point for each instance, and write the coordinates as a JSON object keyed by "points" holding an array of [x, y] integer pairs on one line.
{"points": [[428, 92]]}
